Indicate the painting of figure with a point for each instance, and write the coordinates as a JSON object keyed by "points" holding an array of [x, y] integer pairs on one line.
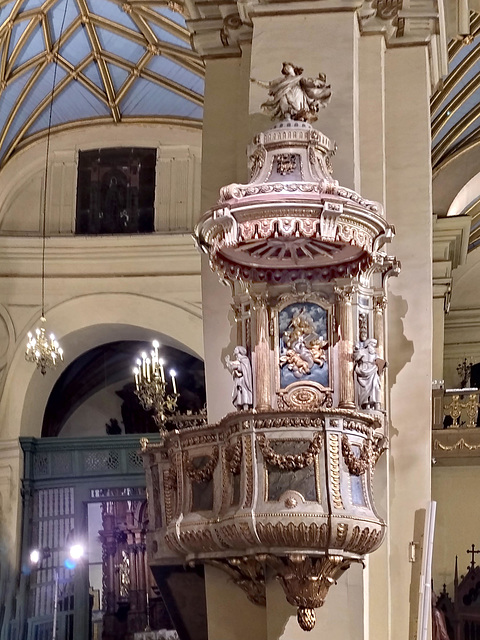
{"points": [[303, 344]]}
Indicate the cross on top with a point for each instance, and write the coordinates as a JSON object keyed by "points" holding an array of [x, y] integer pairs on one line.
{"points": [[472, 551]]}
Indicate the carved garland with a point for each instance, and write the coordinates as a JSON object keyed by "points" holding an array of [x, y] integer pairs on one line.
{"points": [[205, 473], [290, 462], [233, 456], [357, 465]]}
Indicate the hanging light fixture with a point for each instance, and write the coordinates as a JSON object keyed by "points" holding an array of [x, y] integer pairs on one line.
{"points": [[151, 386], [44, 351]]}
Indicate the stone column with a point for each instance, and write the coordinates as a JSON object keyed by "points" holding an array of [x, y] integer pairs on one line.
{"points": [[226, 134], [262, 359], [346, 391], [379, 306], [409, 326]]}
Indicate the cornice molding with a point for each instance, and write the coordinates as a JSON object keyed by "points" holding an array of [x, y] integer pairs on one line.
{"points": [[100, 256], [220, 28]]}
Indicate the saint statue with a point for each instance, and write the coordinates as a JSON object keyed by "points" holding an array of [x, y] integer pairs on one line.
{"points": [[294, 97], [367, 374], [241, 370]]}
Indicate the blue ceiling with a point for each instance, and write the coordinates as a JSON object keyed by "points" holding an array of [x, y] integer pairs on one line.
{"points": [[100, 60], [455, 106]]}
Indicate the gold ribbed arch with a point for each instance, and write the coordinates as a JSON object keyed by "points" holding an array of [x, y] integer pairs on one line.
{"points": [[455, 107], [145, 17]]}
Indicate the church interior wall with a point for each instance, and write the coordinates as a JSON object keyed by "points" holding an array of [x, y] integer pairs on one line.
{"points": [[452, 490], [119, 287]]}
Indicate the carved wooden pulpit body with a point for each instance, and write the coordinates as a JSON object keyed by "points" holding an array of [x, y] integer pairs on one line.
{"points": [[284, 481]]}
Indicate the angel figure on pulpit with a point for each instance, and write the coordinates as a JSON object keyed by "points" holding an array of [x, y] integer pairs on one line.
{"points": [[294, 97]]}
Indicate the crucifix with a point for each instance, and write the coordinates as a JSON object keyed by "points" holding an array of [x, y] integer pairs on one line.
{"points": [[472, 551]]}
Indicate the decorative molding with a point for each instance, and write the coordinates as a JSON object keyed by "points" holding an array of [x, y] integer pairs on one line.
{"points": [[105, 256], [290, 462], [205, 473], [248, 573]]}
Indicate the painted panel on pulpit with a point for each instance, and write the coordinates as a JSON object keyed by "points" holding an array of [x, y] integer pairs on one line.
{"points": [[303, 329]]}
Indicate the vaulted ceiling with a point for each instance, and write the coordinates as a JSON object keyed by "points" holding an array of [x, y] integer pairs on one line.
{"points": [[98, 60], [455, 107], [455, 110]]}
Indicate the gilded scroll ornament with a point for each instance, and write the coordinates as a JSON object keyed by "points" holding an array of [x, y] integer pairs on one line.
{"points": [[335, 471], [169, 486], [248, 473], [363, 541], [293, 535], [290, 462], [247, 573], [342, 530], [306, 581], [205, 473]]}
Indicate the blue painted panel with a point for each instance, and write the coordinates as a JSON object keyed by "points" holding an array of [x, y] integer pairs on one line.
{"points": [[34, 45], [122, 47], [163, 34], [174, 16], [93, 74], [9, 97], [32, 4], [118, 75], [41, 88], [18, 28], [74, 103], [61, 15], [147, 99], [77, 47], [165, 67], [112, 11], [457, 116]]}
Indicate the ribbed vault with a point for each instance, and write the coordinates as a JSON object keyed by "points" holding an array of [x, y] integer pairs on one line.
{"points": [[455, 110], [117, 61], [455, 107]]}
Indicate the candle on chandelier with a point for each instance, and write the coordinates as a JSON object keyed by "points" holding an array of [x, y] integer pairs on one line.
{"points": [[172, 375], [144, 370], [155, 345], [148, 368], [162, 372], [136, 373]]}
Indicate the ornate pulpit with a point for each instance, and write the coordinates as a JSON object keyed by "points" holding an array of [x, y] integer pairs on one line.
{"points": [[282, 486]]}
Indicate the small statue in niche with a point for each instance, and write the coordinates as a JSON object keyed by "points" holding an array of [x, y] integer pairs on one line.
{"points": [[294, 97], [368, 367], [304, 347], [241, 370]]}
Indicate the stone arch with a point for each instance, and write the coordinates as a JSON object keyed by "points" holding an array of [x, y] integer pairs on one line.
{"points": [[81, 324]]}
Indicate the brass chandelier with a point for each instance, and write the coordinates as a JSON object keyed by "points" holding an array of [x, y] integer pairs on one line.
{"points": [[151, 386], [44, 351]]}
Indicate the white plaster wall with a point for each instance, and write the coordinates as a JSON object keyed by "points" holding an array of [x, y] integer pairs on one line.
{"points": [[90, 417], [98, 288], [457, 522], [177, 191]]}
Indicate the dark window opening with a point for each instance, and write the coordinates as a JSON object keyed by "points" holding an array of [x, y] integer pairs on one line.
{"points": [[115, 191]]}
